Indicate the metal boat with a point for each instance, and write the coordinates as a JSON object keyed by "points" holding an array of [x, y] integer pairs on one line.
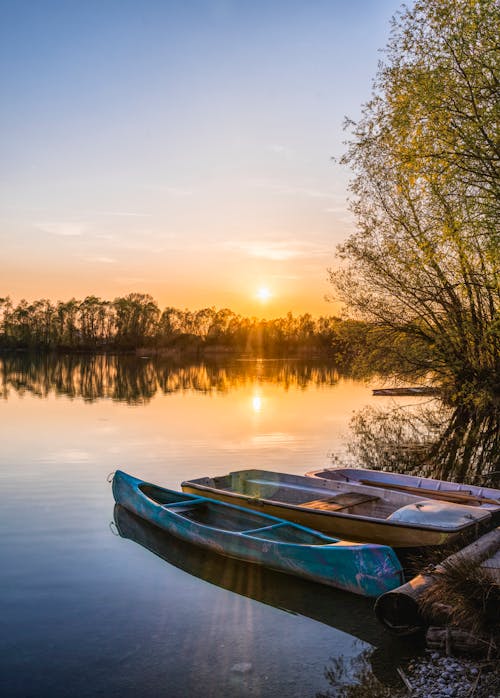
{"points": [[487, 498], [358, 512]]}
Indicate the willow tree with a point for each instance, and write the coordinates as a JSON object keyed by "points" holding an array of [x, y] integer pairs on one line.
{"points": [[423, 264]]}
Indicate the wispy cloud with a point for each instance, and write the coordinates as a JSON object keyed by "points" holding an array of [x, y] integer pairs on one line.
{"points": [[279, 149], [285, 277], [169, 190], [100, 260], [284, 189], [279, 251], [124, 214], [128, 280], [335, 209], [62, 229], [105, 236]]}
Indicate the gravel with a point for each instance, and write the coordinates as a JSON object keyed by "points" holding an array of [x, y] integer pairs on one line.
{"points": [[436, 676]]}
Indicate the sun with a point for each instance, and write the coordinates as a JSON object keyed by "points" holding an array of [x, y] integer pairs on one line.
{"points": [[264, 294]]}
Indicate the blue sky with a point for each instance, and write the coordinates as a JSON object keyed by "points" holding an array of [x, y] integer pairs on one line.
{"points": [[180, 148]]}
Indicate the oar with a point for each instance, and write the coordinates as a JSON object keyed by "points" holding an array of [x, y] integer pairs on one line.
{"points": [[447, 495]]}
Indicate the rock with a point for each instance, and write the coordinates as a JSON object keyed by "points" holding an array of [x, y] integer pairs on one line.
{"points": [[242, 668]]}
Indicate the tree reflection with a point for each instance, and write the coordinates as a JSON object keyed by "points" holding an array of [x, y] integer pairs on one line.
{"points": [[136, 380], [448, 442]]}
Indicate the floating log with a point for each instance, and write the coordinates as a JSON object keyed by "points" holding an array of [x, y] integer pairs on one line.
{"points": [[399, 610], [458, 496]]}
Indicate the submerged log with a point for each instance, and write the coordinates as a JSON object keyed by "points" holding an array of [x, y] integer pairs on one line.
{"points": [[399, 610]]}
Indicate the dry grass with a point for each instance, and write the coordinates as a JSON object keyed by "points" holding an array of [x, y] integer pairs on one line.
{"points": [[471, 595]]}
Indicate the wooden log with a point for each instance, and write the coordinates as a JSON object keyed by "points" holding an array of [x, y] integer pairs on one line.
{"points": [[399, 610], [491, 567], [461, 496], [455, 641]]}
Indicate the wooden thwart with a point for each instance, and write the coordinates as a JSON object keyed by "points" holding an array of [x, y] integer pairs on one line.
{"points": [[340, 501], [457, 497]]}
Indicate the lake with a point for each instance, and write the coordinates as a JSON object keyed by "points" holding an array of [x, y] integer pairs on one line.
{"points": [[87, 611]]}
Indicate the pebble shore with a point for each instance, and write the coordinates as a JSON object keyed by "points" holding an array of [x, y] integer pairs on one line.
{"points": [[436, 676]]}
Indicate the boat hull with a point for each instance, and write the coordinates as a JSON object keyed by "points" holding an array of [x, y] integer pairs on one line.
{"points": [[369, 570]]}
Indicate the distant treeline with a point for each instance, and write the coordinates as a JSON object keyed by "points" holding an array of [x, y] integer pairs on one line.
{"points": [[135, 322]]}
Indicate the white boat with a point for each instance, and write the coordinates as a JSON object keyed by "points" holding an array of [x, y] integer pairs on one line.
{"points": [[485, 498]]}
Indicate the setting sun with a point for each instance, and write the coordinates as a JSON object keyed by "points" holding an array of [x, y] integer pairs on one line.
{"points": [[264, 294]]}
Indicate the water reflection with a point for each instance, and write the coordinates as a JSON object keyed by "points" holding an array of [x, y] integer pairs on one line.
{"points": [[346, 612], [136, 380], [257, 403], [449, 442]]}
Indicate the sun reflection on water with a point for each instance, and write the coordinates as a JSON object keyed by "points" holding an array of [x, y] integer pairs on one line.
{"points": [[257, 404]]}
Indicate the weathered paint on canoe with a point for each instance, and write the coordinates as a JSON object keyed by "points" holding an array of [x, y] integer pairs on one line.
{"points": [[365, 569]]}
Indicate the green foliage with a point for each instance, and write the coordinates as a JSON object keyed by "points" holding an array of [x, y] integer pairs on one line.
{"points": [[423, 264]]}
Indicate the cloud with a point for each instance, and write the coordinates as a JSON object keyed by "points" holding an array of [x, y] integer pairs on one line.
{"points": [[130, 280], [105, 236], [100, 260], [278, 251], [335, 209], [125, 214], [176, 192], [279, 149], [284, 189], [285, 277], [62, 229]]}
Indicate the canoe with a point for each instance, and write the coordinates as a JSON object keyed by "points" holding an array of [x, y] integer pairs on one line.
{"points": [[359, 513], [472, 495], [368, 570]]}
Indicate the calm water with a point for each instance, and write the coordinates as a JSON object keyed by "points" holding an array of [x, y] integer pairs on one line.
{"points": [[87, 612]]}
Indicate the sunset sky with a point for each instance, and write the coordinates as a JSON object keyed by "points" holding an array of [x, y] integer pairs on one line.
{"points": [[181, 149]]}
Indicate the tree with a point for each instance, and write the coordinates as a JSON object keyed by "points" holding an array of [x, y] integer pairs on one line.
{"points": [[136, 319], [424, 262]]}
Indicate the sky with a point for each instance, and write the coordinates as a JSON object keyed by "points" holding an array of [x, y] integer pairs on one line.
{"points": [[180, 148]]}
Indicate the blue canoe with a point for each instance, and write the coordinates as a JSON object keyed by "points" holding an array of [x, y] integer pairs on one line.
{"points": [[366, 569]]}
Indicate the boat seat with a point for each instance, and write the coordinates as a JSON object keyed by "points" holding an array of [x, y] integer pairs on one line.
{"points": [[340, 501]]}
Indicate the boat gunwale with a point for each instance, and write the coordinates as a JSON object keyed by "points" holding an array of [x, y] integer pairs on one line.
{"points": [[474, 490]]}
